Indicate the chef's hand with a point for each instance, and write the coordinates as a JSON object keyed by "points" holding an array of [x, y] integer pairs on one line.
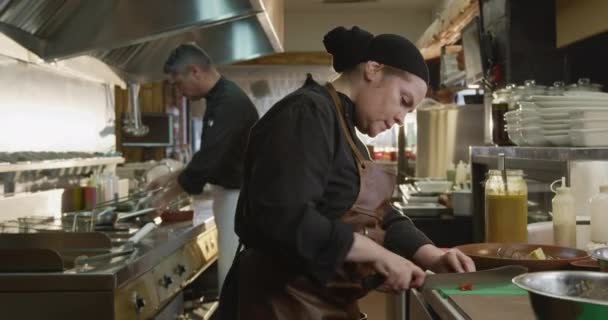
{"points": [[162, 199], [438, 261], [401, 274], [162, 181]]}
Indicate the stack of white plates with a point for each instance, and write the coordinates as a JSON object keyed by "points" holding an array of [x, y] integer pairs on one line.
{"points": [[523, 125], [575, 119]]}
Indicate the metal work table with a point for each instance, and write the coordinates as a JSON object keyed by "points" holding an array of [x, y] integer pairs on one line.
{"points": [[542, 153], [584, 169]]}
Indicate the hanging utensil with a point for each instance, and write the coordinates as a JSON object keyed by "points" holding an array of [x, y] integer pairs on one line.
{"points": [[501, 167]]}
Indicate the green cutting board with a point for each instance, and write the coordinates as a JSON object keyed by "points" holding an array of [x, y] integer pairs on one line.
{"points": [[507, 289]]}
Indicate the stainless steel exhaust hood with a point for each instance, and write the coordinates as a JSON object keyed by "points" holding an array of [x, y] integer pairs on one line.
{"points": [[135, 36]]}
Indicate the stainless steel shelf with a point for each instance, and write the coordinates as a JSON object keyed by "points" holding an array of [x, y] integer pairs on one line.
{"points": [[59, 164], [542, 153]]}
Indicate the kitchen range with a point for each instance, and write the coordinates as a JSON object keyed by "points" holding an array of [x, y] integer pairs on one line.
{"points": [[130, 270]]}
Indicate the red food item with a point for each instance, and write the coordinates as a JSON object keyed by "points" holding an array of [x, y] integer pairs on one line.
{"points": [[466, 287], [176, 215]]}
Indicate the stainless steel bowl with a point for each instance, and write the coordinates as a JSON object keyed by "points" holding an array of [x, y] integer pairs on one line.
{"points": [[601, 255], [557, 295]]}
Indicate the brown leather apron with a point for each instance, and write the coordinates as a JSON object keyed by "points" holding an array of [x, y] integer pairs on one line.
{"points": [[269, 290]]}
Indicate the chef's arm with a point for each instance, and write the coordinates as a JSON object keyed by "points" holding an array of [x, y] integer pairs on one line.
{"points": [[437, 260], [399, 273], [403, 238], [163, 181], [363, 249], [172, 190]]}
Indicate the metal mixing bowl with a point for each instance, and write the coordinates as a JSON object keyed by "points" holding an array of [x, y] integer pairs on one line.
{"points": [[570, 295], [601, 255]]}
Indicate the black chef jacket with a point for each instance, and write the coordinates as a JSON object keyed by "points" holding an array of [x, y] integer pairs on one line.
{"points": [[228, 118], [300, 177]]}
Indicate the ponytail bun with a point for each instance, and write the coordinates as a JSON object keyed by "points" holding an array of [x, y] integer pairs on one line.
{"points": [[348, 47]]}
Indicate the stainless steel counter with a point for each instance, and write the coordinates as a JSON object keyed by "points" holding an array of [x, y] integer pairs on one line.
{"points": [[542, 153], [159, 244]]}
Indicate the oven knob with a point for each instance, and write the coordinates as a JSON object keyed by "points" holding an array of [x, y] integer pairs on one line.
{"points": [[166, 281], [180, 269], [140, 303]]}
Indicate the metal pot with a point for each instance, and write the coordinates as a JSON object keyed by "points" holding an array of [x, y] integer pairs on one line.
{"points": [[557, 295]]}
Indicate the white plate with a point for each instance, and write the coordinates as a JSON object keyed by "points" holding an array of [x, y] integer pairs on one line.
{"points": [[556, 116], [559, 140], [588, 114], [589, 124], [586, 94], [527, 106], [533, 136], [553, 122], [545, 111], [555, 132], [561, 126], [571, 104], [536, 99], [589, 137]]}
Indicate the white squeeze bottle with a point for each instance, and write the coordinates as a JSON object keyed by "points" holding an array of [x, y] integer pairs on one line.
{"points": [[461, 174], [564, 217], [599, 216]]}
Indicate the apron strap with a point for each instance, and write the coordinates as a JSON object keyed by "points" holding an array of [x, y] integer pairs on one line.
{"points": [[349, 137]]}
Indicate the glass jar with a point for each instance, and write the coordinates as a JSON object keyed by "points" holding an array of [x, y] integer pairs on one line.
{"points": [[501, 103], [506, 210]]}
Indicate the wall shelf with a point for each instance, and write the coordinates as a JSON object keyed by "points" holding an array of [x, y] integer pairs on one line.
{"points": [[543, 153], [59, 164]]}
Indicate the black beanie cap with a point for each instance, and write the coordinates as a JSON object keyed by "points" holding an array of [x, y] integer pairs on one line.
{"points": [[351, 47]]}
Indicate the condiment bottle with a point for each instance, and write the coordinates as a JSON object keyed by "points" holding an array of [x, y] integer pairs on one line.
{"points": [[599, 216], [564, 216]]}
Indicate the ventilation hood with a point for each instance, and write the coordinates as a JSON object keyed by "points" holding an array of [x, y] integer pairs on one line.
{"points": [[134, 37]]}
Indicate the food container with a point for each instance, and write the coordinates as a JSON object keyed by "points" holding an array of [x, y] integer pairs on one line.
{"points": [[589, 137], [585, 265], [171, 216], [506, 207], [561, 295], [601, 255], [494, 255], [438, 186]]}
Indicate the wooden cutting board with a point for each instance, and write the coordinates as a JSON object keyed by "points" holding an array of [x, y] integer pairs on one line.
{"points": [[496, 307]]}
